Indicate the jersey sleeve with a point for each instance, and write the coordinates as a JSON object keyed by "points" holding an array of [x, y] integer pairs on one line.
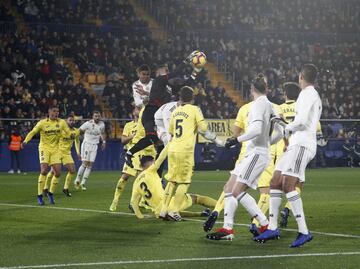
{"points": [[318, 128], [171, 126], [126, 130], [137, 97], [37, 128], [257, 112], [200, 121], [77, 143], [65, 128], [240, 118], [84, 126]]}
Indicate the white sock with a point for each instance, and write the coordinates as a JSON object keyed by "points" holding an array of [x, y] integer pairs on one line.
{"points": [[86, 175], [298, 211], [249, 203], [80, 173], [274, 205], [230, 207]]}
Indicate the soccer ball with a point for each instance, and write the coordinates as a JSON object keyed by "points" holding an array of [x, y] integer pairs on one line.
{"points": [[199, 60]]}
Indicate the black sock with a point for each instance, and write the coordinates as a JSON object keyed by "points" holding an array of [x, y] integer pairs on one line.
{"points": [[158, 151], [144, 143]]}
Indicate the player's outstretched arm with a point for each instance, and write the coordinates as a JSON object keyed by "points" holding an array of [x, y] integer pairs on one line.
{"points": [[135, 200], [31, 134]]}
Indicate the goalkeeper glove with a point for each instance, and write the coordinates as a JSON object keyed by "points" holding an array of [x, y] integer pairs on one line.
{"points": [[231, 142]]}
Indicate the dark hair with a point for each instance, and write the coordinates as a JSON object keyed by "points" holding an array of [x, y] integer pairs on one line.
{"points": [[143, 67], [186, 94], [260, 83], [309, 73], [52, 107], [145, 159], [96, 112], [292, 90]]}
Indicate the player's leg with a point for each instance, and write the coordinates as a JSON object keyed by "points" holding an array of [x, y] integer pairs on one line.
{"points": [[84, 156], [168, 195], [49, 176], [179, 196], [285, 212], [88, 167], [44, 167], [56, 167], [69, 176], [119, 190]]}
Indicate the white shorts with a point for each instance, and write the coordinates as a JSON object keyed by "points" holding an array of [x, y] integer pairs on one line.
{"points": [[294, 161], [88, 152], [249, 169]]}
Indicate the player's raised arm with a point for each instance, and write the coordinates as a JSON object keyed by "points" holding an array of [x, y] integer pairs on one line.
{"points": [[34, 131]]}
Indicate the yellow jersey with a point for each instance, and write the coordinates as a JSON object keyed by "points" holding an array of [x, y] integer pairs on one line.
{"points": [[148, 186], [184, 124], [68, 138], [50, 133], [130, 129]]}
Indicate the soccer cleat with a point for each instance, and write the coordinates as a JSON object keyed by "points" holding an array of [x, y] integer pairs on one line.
{"points": [[51, 198], [77, 185], [254, 229], [45, 192], [130, 207], [221, 234], [267, 235], [40, 200], [113, 206], [285, 214], [128, 159], [174, 216], [11, 171], [301, 239], [83, 187], [205, 212], [19, 171], [66, 192], [210, 222]]}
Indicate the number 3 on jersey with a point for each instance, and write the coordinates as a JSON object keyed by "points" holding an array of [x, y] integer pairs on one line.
{"points": [[179, 128], [144, 187]]}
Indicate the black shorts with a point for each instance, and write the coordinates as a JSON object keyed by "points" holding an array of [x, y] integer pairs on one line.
{"points": [[148, 120]]}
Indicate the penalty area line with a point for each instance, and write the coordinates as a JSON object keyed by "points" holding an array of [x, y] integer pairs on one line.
{"points": [[150, 216], [183, 260]]}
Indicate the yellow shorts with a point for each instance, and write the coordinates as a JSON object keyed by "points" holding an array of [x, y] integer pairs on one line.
{"points": [[266, 176], [66, 158], [181, 166], [136, 162], [50, 157]]}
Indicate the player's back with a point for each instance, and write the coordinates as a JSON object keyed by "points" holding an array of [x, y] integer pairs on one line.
{"points": [[184, 124], [148, 184], [241, 121], [288, 110], [261, 110], [308, 112]]}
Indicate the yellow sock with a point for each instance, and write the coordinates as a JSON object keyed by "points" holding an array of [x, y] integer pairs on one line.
{"points": [[288, 204], [120, 187], [220, 203], [205, 201], [169, 190], [49, 176], [179, 195], [263, 204], [54, 182], [68, 180], [41, 183]]}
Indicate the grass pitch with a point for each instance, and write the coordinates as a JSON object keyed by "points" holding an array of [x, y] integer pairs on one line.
{"points": [[79, 232]]}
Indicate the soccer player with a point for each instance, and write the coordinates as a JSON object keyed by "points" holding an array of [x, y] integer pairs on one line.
{"points": [[93, 130], [133, 132], [50, 130], [162, 120], [142, 87], [185, 122], [148, 186], [161, 92], [246, 173], [65, 145], [290, 170]]}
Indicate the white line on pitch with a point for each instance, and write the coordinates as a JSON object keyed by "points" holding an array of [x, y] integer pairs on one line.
{"points": [[183, 260], [149, 216]]}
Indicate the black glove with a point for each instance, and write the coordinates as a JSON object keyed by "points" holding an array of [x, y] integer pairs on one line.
{"points": [[231, 142]]}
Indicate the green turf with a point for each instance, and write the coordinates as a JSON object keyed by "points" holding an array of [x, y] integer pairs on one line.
{"points": [[35, 236]]}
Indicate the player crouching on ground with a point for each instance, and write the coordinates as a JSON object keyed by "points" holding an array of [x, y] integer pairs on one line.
{"points": [[147, 186]]}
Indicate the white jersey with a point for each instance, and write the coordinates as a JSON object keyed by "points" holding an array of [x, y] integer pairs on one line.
{"points": [[261, 110], [308, 111], [162, 120], [92, 131], [138, 98]]}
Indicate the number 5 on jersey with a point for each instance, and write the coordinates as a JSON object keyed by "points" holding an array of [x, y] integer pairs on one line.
{"points": [[179, 128]]}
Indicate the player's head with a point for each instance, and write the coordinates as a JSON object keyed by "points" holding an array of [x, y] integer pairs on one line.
{"points": [[96, 116], [143, 73], [136, 112], [291, 90], [186, 94], [308, 75], [146, 161], [53, 112], [259, 85], [70, 120], [162, 70]]}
